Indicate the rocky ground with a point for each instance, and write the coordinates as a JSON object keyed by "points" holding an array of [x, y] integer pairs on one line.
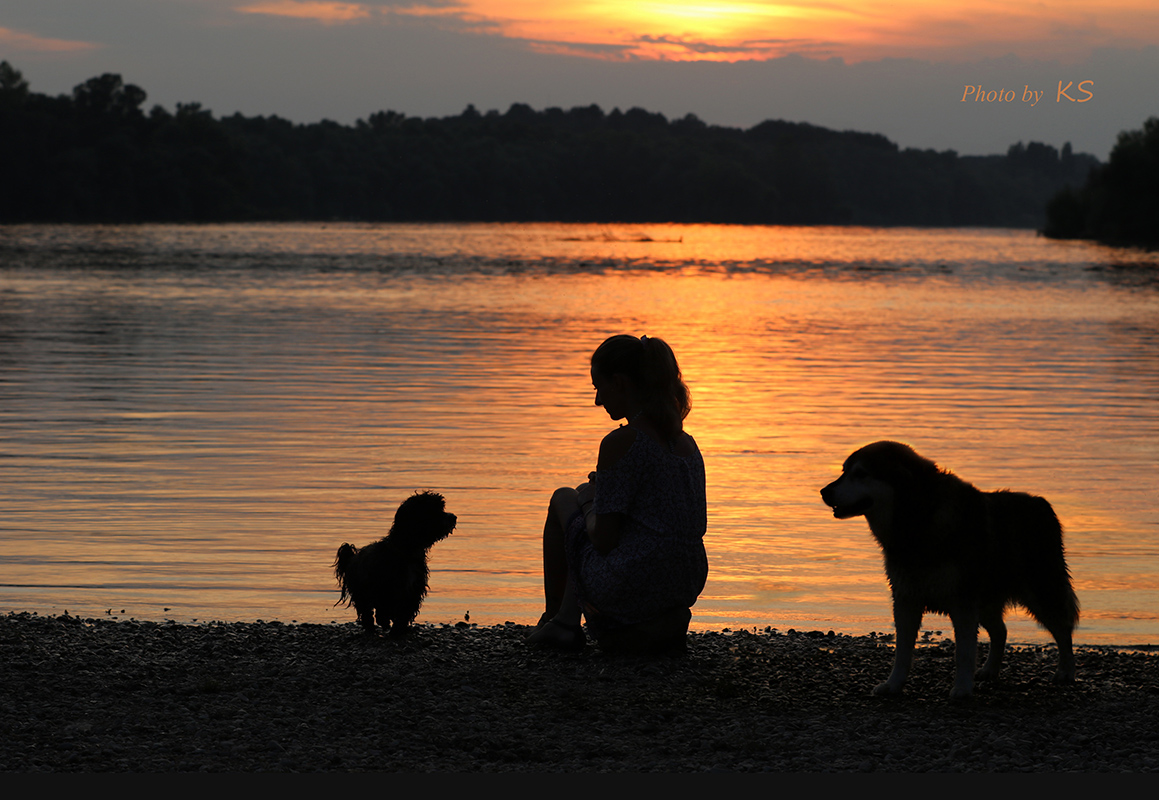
{"points": [[104, 695]]}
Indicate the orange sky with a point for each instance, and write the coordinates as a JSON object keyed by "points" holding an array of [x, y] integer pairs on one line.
{"points": [[730, 31]]}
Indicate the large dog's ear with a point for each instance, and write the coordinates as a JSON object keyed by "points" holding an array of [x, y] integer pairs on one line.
{"points": [[915, 480], [899, 474]]}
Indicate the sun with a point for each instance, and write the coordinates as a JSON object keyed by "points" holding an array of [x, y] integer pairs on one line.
{"points": [[695, 30]]}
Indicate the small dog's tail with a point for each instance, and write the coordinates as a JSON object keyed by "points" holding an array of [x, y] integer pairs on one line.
{"points": [[341, 562]]}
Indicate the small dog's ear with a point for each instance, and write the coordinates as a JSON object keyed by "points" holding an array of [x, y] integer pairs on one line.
{"points": [[344, 554]]}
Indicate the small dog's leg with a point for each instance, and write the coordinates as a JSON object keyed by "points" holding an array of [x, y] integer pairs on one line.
{"points": [[991, 620], [966, 651], [907, 620]]}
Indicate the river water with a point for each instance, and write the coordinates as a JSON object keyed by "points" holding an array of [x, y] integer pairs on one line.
{"points": [[193, 418]]}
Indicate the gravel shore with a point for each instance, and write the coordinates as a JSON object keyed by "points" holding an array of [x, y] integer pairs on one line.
{"points": [[104, 695]]}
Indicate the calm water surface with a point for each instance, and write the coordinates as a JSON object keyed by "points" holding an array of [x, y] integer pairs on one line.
{"points": [[193, 418]]}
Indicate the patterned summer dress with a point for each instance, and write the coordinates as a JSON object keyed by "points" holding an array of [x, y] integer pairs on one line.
{"points": [[659, 563]]}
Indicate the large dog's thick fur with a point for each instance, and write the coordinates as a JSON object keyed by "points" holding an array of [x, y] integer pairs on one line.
{"points": [[388, 580], [953, 549]]}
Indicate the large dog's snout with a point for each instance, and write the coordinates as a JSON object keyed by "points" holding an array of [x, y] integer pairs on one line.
{"points": [[847, 497], [827, 493]]}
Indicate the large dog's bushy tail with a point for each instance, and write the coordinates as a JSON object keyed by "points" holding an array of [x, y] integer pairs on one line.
{"points": [[346, 554], [1049, 591], [1062, 584]]}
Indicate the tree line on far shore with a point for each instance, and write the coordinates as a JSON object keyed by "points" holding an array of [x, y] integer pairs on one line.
{"points": [[97, 156], [1119, 203]]}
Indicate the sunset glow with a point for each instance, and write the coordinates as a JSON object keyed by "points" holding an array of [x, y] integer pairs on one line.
{"points": [[693, 30], [324, 12], [678, 31], [27, 42]]}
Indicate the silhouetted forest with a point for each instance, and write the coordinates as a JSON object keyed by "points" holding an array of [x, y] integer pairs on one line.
{"points": [[1119, 203], [97, 156]]}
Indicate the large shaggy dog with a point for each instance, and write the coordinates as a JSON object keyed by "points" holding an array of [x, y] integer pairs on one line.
{"points": [[388, 580], [952, 549]]}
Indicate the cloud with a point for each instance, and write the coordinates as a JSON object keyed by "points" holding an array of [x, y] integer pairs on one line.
{"points": [[31, 43], [328, 13], [678, 48]]}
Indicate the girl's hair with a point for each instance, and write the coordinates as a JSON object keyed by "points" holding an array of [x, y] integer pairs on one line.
{"points": [[651, 366]]}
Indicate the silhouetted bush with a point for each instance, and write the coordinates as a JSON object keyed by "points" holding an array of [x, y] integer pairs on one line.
{"points": [[1119, 203]]}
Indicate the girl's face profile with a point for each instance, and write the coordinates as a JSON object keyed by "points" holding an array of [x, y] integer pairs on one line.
{"points": [[611, 394]]}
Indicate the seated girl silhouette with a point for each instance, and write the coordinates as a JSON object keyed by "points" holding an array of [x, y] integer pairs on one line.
{"points": [[626, 549]]}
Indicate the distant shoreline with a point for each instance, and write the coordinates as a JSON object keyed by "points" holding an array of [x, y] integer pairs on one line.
{"points": [[99, 156]]}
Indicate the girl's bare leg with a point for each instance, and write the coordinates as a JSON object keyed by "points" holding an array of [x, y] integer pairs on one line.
{"points": [[560, 605], [555, 578]]}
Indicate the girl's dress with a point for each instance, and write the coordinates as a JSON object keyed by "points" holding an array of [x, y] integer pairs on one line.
{"points": [[660, 563]]}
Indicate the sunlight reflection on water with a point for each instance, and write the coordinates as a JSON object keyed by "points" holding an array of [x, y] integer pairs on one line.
{"points": [[195, 417]]}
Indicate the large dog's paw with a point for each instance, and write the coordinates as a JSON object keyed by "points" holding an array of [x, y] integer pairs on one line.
{"points": [[887, 689], [960, 694], [987, 673]]}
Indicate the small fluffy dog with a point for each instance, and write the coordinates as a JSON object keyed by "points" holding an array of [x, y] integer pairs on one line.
{"points": [[952, 549], [387, 580]]}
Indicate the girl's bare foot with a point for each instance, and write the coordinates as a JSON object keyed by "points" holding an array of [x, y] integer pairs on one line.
{"points": [[555, 635]]}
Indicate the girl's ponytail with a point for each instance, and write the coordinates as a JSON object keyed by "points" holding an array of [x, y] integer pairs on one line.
{"points": [[651, 365]]}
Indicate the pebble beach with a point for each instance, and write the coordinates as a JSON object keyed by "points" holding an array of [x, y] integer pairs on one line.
{"points": [[105, 695]]}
